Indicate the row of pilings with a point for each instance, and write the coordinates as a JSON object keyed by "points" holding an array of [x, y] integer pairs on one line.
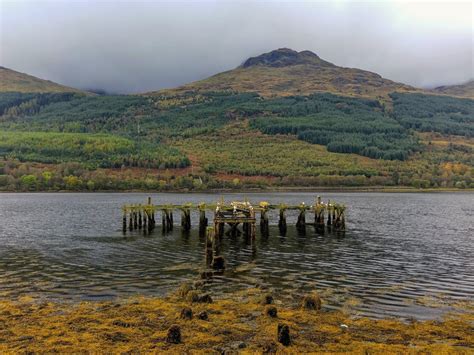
{"points": [[326, 215]]}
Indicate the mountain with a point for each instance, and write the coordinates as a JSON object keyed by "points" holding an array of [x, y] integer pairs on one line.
{"points": [[11, 80], [355, 129], [285, 72], [462, 90]]}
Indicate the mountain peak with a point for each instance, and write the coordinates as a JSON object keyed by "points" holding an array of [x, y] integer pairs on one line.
{"points": [[284, 57]]}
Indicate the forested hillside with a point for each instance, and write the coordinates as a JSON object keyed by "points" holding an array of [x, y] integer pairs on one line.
{"points": [[228, 139]]}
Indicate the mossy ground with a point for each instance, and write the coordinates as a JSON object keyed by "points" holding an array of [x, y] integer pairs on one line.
{"points": [[236, 323]]}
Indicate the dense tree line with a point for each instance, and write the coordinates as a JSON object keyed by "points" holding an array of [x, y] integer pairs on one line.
{"points": [[13, 104], [93, 150], [434, 113], [344, 125]]}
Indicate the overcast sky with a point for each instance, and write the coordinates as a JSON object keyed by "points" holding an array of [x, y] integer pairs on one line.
{"points": [[136, 46]]}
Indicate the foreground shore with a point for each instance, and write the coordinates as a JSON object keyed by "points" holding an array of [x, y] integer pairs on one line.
{"points": [[241, 322]]}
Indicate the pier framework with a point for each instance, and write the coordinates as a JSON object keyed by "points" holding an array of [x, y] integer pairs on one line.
{"points": [[233, 214]]}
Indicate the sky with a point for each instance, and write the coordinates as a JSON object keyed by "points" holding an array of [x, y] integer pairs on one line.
{"points": [[138, 46]]}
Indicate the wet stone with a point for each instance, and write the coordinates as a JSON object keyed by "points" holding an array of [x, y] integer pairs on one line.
{"points": [[192, 296], [311, 302], [271, 311], [206, 298], [186, 313], [203, 315], [174, 335], [266, 299]]}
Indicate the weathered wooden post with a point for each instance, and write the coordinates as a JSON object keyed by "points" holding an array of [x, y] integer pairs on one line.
{"points": [[124, 220], [282, 221], [168, 222], [140, 222], [342, 224], [329, 213], [202, 219], [301, 222], [339, 222], [151, 218], [145, 219], [264, 218], [253, 231], [153, 221], [319, 213], [135, 217], [186, 218], [164, 221], [130, 219]]}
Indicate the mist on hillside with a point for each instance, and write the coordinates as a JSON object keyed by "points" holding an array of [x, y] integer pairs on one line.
{"points": [[135, 47]]}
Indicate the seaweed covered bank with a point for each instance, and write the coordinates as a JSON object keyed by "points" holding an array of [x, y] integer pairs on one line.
{"points": [[250, 321]]}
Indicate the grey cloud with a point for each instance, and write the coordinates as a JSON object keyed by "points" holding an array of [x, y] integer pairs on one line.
{"points": [[139, 46]]}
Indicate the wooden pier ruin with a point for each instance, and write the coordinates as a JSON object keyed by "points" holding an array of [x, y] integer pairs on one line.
{"points": [[328, 215]]}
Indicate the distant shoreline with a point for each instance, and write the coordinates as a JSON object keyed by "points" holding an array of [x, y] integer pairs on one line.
{"points": [[269, 190]]}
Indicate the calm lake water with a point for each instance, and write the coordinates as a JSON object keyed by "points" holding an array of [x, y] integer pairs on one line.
{"points": [[402, 254]]}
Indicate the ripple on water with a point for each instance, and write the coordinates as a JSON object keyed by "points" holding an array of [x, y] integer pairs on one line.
{"points": [[391, 259]]}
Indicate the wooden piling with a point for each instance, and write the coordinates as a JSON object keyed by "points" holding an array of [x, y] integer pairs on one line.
{"points": [[186, 219], [145, 220], [163, 221], [130, 220], [282, 221], [135, 218], [152, 218], [124, 221], [329, 222], [140, 222], [202, 219], [301, 222]]}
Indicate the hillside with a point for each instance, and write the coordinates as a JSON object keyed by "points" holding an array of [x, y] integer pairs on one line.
{"points": [[13, 81], [326, 127], [462, 90], [285, 72]]}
